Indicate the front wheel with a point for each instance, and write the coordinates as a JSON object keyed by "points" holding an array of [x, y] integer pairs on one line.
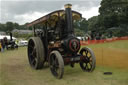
{"points": [[88, 61], [56, 64]]}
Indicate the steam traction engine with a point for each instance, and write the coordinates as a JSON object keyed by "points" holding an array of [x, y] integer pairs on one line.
{"points": [[54, 42]]}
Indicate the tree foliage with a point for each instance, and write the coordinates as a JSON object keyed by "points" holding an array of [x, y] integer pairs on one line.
{"points": [[9, 26], [81, 24]]}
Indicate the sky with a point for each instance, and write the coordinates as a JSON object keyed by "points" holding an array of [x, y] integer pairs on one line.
{"points": [[23, 11]]}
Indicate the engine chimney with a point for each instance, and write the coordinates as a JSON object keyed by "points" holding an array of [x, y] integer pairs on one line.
{"points": [[68, 19], [10, 36]]}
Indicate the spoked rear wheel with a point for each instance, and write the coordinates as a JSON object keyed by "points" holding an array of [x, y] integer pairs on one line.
{"points": [[88, 61], [36, 54], [56, 64]]}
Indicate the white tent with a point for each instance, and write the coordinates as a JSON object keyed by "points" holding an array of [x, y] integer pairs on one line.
{"points": [[8, 37]]}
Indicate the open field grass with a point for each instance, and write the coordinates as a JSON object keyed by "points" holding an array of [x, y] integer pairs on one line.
{"points": [[112, 54], [113, 57]]}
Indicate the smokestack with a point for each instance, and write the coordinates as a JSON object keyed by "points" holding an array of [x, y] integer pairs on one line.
{"points": [[10, 36], [68, 18]]}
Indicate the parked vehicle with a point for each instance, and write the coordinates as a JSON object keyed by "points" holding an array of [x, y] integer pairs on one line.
{"points": [[23, 43], [10, 42], [81, 38]]}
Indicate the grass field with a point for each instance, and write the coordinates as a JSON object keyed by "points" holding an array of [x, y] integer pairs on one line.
{"points": [[113, 54], [113, 57]]}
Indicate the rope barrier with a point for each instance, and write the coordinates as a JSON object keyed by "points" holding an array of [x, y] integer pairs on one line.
{"points": [[103, 40]]}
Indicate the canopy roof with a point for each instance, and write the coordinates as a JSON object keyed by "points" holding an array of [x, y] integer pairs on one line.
{"points": [[51, 18], [7, 36]]}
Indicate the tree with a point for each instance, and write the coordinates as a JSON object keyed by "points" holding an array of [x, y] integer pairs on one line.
{"points": [[79, 32], [93, 23], [113, 13], [81, 25], [16, 26], [84, 24], [2, 27], [9, 26]]}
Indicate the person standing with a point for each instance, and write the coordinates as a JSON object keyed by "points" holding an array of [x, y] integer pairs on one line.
{"points": [[0, 46]]}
